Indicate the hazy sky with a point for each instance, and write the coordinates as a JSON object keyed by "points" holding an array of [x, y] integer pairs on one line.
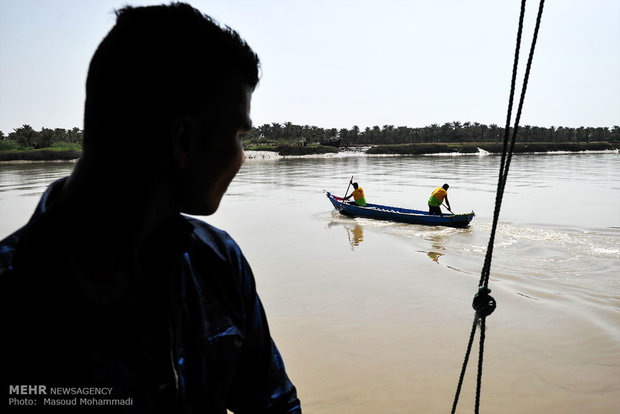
{"points": [[341, 63]]}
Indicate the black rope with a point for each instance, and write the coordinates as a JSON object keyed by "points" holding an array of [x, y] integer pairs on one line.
{"points": [[466, 360], [499, 193], [480, 359], [507, 156], [483, 303]]}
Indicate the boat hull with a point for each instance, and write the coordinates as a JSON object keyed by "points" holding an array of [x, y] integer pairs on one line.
{"points": [[400, 215]]}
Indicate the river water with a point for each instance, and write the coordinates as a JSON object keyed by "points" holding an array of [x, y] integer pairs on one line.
{"points": [[374, 317]]}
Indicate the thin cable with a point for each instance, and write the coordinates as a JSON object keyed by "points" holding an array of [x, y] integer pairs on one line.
{"points": [[505, 163], [464, 367], [480, 359], [487, 261], [489, 253]]}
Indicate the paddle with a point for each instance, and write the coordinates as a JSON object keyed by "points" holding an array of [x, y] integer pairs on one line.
{"points": [[447, 208], [345, 193]]}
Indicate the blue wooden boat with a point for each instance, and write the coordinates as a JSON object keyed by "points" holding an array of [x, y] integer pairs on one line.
{"points": [[401, 215]]}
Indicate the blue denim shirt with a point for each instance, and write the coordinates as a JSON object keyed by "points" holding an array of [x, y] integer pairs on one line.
{"points": [[190, 336]]}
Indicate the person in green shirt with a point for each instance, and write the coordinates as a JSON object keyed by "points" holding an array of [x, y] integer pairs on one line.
{"points": [[358, 196], [436, 199]]}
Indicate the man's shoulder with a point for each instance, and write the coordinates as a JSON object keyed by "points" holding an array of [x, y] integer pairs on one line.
{"points": [[7, 250], [216, 239], [209, 243]]}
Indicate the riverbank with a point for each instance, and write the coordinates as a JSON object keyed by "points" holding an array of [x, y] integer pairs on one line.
{"points": [[51, 154], [284, 150], [287, 150], [46, 154], [475, 147]]}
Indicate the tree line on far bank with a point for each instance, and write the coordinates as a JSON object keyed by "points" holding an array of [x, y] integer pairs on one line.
{"points": [[453, 132], [25, 137]]}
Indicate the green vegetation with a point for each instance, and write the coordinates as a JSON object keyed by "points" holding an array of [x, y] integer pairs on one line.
{"points": [[554, 146], [288, 149], [40, 155], [415, 149], [26, 144], [260, 147], [304, 150], [9, 145], [66, 146], [26, 138], [449, 132], [290, 139]]}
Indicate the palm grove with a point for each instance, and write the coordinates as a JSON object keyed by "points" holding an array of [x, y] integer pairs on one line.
{"points": [[455, 132], [26, 137]]}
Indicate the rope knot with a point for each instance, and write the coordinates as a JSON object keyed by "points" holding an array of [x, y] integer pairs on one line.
{"points": [[484, 304]]}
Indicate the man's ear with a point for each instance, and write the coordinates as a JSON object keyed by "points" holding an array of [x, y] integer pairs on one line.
{"points": [[181, 137]]}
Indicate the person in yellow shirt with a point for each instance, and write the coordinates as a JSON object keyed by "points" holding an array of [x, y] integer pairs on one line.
{"points": [[436, 199], [358, 196]]}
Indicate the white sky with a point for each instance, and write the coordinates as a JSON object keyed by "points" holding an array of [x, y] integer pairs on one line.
{"points": [[339, 63]]}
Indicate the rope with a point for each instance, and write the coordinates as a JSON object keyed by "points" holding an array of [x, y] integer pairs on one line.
{"points": [[483, 303], [506, 157], [469, 344]]}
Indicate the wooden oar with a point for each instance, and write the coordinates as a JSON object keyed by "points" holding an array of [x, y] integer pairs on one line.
{"points": [[345, 193], [447, 208]]}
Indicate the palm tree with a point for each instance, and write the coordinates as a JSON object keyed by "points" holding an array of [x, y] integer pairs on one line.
{"points": [[24, 136], [435, 132], [355, 132], [446, 131], [456, 130], [287, 130], [495, 132]]}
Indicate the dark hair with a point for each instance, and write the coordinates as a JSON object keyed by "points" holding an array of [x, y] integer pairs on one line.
{"points": [[158, 63], [445, 186], [355, 185]]}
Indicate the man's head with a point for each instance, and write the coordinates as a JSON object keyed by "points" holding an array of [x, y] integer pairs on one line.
{"points": [[445, 186], [166, 86], [355, 185]]}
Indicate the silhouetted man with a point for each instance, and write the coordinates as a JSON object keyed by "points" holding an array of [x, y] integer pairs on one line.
{"points": [[108, 285]]}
